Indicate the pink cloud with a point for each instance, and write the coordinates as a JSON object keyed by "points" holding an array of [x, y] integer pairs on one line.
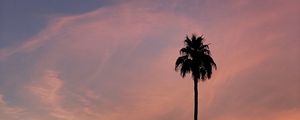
{"points": [[48, 88], [9, 112], [118, 62]]}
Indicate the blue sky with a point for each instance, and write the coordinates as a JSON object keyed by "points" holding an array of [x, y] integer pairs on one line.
{"points": [[21, 19]]}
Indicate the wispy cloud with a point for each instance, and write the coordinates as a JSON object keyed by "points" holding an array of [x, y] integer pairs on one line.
{"points": [[48, 92], [117, 62], [48, 88], [7, 111]]}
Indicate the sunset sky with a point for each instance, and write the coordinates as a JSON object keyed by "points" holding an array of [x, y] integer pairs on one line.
{"points": [[115, 59]]}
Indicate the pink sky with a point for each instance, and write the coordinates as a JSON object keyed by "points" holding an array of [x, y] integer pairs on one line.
{"points": [[117, 62]]}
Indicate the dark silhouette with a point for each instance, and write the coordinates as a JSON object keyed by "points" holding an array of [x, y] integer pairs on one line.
{"points": [[195, 57]]}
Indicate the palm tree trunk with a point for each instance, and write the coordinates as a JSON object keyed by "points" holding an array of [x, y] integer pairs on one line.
{"points": [[196, 99]]}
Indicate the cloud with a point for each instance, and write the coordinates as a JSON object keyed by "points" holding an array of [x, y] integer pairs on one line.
{"points": [[83, 47], [48, 89], [7, 111], [48, 92], [117, 62]]}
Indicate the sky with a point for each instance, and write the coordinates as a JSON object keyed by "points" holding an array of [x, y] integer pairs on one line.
{"points": [[115, 59]]}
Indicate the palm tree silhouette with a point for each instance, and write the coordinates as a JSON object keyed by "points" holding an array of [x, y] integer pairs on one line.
{"points": [[196, 58]]}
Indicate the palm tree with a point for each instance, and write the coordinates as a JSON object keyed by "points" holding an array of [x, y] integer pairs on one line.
{"points": [[195, 58]]}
